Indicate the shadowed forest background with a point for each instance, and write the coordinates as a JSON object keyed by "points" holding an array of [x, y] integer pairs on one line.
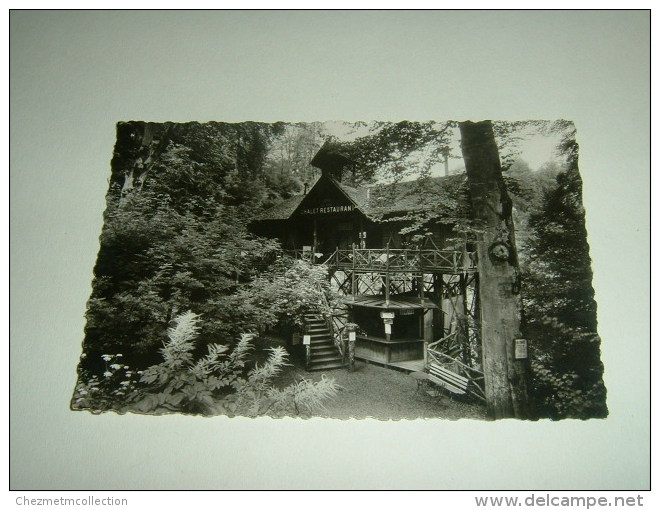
{"points": [[178, 268]]}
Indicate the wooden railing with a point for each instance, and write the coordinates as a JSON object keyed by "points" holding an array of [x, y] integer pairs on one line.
{"points": [[403, 260], [393, 260], [434, 353], [310, 257], [335, 322]]}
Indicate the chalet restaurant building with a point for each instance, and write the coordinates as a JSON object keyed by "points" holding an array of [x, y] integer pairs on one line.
{"points": [[407, 293]]}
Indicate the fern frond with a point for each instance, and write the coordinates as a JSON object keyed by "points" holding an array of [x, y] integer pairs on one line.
{"points": [[185, 329], [277, 360], [209, 363], [242, 348], [309, 395], [179, 344]]}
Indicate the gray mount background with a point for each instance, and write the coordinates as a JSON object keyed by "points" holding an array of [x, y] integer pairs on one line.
{"points": [[74, 74]]}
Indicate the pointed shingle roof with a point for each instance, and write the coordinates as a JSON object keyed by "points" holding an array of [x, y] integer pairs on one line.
{"points": [[377, 201]]}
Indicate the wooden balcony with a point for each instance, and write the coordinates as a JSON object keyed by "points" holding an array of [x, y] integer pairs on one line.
{"points": [[403, 261], [384, 260]]}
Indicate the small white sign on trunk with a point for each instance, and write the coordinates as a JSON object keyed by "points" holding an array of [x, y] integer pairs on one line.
{"points": [[521, 348]]}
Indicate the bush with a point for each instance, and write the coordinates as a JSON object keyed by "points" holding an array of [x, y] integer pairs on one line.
{"points": [[216, 383], [285, 296]]}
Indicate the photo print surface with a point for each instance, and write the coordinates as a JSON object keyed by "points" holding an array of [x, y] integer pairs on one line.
{"points": [[391, 270]]}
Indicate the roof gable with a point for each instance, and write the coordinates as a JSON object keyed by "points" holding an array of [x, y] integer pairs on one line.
{"points": [[375, 202], [327, 193]]}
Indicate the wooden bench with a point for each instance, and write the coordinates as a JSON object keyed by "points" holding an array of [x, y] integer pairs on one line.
{"points": [[451, 381]]}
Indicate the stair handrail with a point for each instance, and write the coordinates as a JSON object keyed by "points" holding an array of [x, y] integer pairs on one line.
{"points": [[445, 338], [336, 336], [474, 375]]}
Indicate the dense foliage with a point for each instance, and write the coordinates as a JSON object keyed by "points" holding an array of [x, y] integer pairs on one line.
{"points": [[287, 292], [221, 382], [175, 233], [560, 307], [175, 238], [398, 150]]}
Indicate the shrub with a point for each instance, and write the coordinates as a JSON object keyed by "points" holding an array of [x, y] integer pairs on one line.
{"points": [[213, 384], [285, 296]]}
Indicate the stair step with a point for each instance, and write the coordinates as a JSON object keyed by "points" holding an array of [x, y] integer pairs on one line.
{"points": [[323, 349], [326, 366], [322, 340], [322, 344], [318, 358]]}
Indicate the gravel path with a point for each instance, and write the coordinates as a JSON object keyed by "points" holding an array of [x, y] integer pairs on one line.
{"points": [[371, 391]]}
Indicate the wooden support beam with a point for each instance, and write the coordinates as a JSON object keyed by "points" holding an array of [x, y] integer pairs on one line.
{"points": [[387, 275], [315, 243], [441, 300], [467, 358], [354, 282]]}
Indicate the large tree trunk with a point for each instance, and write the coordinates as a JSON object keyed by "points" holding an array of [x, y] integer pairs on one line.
{"points": [[506, 378]]}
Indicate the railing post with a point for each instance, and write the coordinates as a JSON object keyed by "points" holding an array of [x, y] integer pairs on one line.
{"points": [[350, 328], [307, 342], [387, 274], [353, 278], [420, 281]]}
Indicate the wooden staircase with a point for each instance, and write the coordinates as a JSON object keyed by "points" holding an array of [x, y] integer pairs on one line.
{"points": [[324, 354]]}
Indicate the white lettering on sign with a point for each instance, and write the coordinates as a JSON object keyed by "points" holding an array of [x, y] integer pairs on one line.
{"points": [[329, 209]]}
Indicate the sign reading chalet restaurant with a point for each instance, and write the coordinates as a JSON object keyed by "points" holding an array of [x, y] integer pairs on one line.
{"points": [[328, 209]]}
